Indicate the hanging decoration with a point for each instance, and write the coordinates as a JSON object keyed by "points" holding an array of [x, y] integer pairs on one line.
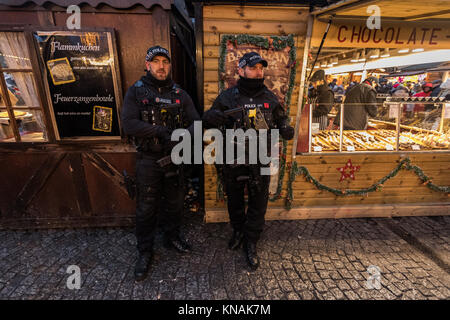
{"points": [[348, 171], [377, 186]]}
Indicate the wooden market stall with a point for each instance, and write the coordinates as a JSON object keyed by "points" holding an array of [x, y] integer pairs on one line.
{"points": [[62, 151], [316, 184]]}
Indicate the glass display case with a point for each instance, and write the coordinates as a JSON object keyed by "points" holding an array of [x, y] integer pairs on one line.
{"points": [[395, 124]]}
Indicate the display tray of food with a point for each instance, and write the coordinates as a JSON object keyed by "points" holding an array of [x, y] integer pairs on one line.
{"points": [[377, 140]]}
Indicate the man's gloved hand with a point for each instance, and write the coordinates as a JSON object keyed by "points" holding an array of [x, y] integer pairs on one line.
{"points": [[287, 132], [215, 117], [163, 133]]}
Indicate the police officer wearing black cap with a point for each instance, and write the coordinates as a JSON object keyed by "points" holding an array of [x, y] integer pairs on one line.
{"points": [[249, 93], [158, 195]]}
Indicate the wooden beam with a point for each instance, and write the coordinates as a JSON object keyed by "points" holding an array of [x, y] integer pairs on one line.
{"points": [[339, 212], [37, 181], [107, 169], [302, 85], [199, 50], [343, 5], [80, 183], [426, 15]]}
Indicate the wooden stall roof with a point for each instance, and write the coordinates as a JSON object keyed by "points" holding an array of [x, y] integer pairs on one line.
{"points": [[402, 10], [118, 4]]}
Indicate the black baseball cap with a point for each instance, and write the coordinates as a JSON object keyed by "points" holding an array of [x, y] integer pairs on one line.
{"points": [[250, 59], [156, 51]]}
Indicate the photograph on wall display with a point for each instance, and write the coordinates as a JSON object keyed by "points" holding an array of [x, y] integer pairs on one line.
{"points": [[60, 71], [102, 119], [81, 76]]}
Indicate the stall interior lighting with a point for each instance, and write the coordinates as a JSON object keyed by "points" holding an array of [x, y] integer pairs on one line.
{"points": [[355, 57], [406, 60], [418, 50], [363, 56], [323, 64], [385, 53], [403, 50], [374, 53]]}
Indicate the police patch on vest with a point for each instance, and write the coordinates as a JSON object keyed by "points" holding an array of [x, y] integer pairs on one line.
{"points": [[249, 106], [162, 100]]}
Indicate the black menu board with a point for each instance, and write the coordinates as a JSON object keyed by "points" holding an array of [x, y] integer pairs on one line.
{"points": [[82, 82]]}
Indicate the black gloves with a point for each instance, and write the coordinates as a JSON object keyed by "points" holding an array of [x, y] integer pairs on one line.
{"points": [[215, 117], [163, 132], [287, 132]]}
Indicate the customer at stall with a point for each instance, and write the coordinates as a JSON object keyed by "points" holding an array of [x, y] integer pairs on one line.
{"points": [[436, 88], [333, 84], [427, 89], [360, 102], [416, 89], [383, 86]]}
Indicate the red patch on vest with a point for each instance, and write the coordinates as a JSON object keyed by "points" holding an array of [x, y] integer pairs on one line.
{"points": [[266, 105], [177, 101]]}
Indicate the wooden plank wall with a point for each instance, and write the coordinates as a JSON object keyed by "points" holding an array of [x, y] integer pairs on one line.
{"points": [[402, 195], [264, 21]]}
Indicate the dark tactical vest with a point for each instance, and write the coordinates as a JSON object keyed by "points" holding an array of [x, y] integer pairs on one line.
{"points": [[262, 104], [158, 109]]}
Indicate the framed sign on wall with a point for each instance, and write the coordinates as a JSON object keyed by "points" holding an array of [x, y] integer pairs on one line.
{"points": [[82, 81]]}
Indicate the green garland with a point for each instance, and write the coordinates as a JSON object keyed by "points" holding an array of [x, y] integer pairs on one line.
{"points": [[278, 43], [404, 164]]}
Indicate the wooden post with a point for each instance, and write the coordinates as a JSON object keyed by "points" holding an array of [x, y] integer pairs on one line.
{"points": [[302, 85]]}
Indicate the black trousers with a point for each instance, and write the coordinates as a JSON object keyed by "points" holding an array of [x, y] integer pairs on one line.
{"points": [[159, 199], [252, 222]]}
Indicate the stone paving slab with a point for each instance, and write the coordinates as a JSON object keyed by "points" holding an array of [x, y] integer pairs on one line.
{"points": [[302, 259], [432, 232]]}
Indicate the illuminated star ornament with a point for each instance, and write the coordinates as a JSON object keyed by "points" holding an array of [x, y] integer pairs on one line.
{"points": [[348, 171]]}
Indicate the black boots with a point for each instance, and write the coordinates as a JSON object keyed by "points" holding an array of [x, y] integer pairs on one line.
{"points": [[236, 240], [142, 265], [177, 242], [251, 254]]}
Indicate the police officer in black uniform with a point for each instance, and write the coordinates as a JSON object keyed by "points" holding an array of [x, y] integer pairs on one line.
{"points": [[250, 93], [160, 192]]}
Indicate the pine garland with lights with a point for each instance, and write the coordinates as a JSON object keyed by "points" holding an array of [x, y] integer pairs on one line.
{"points": [[277, 43], [377, 186]]}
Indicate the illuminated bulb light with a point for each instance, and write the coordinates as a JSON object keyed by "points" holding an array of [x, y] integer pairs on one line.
{"points": [[385, 53], [403, 50], [355, 57], [363, 57], [316, 67], [374, 53], [418, 50]]}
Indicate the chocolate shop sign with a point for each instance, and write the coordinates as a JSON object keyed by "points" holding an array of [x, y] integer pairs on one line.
{"points": [[391, 35]]}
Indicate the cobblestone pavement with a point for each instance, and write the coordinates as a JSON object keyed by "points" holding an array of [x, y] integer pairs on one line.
{"points": [[303, 259]]}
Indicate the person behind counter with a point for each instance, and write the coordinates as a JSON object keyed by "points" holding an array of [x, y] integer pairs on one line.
{"points": [[360, 102], [321, 98]]}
